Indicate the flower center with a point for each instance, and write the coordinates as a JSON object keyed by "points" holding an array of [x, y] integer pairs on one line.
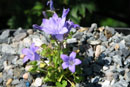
{"points": [[71, 62]]}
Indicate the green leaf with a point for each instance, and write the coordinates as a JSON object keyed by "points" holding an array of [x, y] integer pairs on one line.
{"points": [[33, 63]]}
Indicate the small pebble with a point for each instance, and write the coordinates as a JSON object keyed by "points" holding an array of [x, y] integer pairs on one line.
{"points": [[25, 76], [8, 82]]}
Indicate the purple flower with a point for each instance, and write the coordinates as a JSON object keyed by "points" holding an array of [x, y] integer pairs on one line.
{"points": [[30, 53], [70, 25], [70, 61], [56, 26], [51, 5]]}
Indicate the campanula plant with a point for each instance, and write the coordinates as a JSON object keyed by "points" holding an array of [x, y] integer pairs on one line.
{"points": [[62, 69]]}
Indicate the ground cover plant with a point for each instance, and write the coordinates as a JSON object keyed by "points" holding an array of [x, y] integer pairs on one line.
{"points": [[64, 67]]}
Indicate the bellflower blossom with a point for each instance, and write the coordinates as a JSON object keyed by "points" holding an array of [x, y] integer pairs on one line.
{"points": [[56, 26], [70, 61], [30, 53]]}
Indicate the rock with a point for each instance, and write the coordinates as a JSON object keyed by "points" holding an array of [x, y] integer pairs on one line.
{"points": [[106, 83], [72, 40], [18, 73], [27, 42], [90, 52], [126, 52], [109, 75], [102, 37], [127, 76], [121, 83], [37, 42], [98, 51], [116, 46], [105, 68], [78, 35], [25, 76], [15, 82], [19, 62], [8, 49], [93, 27], [30, 31], [22, 56], [4, 36], [122, 44], [95, 42], [20, 36], [8, 82], [118, 59], [110, 29], [37, 82], [18, 31], [95, 79]]}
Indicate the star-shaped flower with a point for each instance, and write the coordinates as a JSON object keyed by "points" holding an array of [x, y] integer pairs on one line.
{"points": [[30, 53], [70, 61]]}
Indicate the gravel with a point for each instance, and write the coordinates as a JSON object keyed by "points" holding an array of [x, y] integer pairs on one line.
{"points": [[107, 66]]}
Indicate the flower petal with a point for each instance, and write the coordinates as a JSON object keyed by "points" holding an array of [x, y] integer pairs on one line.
{"points": [[65, 12], [35, 26], [63, 31], [59, 37], [25, 51], [72, 55], [33, 47], [77, 62], [72, 68], [64, 57], [37, 56], [25, 59], [65, 65]]}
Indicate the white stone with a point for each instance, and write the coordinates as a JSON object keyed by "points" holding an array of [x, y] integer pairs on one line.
{"points": [[37, 42], [106, 83], [37, 82]]}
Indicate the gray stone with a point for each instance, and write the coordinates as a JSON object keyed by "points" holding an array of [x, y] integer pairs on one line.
{"points": [[8, 49], [94, 42], [108, 60], [110, 29], [10, 72], [125, 52], [122, 44], [14, 60], [118, 59], [106, 83], [121, 83], [1, 80], [102, 37], [127, 61], [18, 31], [72, 40], [127, 76], [30, 31], [4, 36], [93, 27], [90, 52], [20, 36], [15, 81], [78, 35], [95, 79], [73, 30]]}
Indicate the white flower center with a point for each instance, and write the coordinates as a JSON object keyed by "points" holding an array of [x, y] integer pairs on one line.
{"points": [[71, 62]]}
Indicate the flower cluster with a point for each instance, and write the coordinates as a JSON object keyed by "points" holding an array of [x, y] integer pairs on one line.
{"points": [[56, 26]]}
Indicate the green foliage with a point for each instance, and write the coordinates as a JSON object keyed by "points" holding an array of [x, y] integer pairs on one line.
{"points": [[112, 22], [63, 84]]}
